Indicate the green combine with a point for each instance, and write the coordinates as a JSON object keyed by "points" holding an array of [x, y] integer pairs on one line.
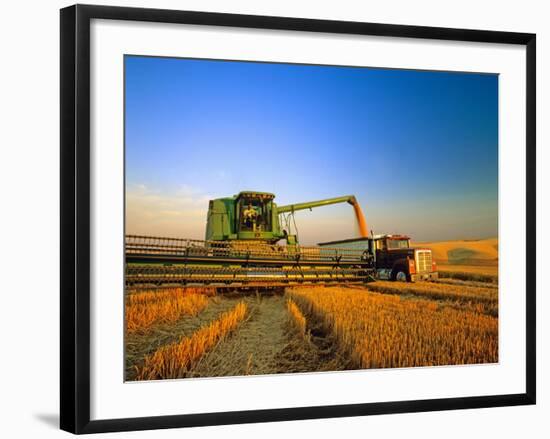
{"points": [[248, 243], [254, 216]]}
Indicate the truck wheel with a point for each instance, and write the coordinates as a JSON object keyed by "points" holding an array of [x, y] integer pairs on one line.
{"points": [[400, 275]]}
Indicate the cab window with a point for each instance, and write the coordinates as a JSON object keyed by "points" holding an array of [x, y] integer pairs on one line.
{"points": [[398, 243], [254, 215]]}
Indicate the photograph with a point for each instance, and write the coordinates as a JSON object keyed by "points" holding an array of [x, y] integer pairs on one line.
{"points": [[286, 218]]}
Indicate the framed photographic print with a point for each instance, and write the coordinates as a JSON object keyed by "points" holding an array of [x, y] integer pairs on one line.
{"points": [[273, 218]]}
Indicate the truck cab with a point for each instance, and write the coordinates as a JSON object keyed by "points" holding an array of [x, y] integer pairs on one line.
{"points": [[393, 257]]}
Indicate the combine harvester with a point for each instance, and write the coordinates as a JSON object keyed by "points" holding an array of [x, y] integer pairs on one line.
{"points": [[243, 249]]}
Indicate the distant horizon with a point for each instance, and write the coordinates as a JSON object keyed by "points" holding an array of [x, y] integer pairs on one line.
{"points": [[418, 149]]}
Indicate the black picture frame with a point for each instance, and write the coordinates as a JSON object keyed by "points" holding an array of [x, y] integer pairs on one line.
{"points": [[75, 217]]}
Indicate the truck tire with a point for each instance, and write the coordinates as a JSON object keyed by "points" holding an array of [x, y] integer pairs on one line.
{"points": [[400, 274]]}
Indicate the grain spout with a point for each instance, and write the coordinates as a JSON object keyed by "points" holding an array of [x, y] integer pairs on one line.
{"points": [[363, 229]]}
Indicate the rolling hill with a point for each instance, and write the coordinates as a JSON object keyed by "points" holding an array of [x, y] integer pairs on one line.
{"points": [[468, 252]]}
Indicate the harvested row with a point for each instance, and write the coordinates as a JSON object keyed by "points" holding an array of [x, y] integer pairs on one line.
{"points": [[466, 283], [379, 330], [142, 310], [477, 276], [149, 296], [482, 300], [296, 317], [177, 359]]}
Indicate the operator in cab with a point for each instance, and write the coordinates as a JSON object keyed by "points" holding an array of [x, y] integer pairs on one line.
{"points": [[250, 215]]}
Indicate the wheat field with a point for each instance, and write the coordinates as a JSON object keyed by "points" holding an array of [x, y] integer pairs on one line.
{"points": [[186, 333], [380, 330], [482, 299], [150, 307], [175, 360]]}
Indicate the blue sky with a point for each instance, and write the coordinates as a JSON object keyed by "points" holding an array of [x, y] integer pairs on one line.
{"points": [[419, 149]]}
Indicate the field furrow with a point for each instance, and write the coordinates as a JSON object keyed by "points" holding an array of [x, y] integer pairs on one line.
{"points": [[254, 347]]}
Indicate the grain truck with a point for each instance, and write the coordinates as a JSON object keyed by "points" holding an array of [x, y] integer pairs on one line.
{"points": [[391, 256]]}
